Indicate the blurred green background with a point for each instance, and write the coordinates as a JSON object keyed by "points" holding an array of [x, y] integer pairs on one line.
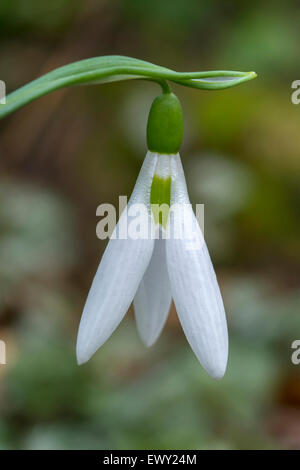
{"points": [[63, 155]]}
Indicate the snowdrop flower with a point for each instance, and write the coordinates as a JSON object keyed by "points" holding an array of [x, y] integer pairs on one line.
{"points": [[150, 271], [136, 266]]}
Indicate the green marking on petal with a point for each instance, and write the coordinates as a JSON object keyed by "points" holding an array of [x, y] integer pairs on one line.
{"points": [[160, 198]]}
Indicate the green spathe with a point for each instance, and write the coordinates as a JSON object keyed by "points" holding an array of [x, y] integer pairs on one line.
{"points": [[165, 125], [107, 69]]}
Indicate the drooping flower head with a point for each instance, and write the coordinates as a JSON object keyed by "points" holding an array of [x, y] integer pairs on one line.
{"points": [[167, 259]]}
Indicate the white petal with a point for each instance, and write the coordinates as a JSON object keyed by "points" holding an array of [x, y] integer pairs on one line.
{"points": [[153, 298], [194, 285], [122, 267]]}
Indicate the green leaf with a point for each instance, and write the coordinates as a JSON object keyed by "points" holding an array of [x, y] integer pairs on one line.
{"points": [[117, 68]]}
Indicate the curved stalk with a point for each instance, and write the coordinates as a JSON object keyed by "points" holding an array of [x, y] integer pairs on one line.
{"points": [[117, 68]]}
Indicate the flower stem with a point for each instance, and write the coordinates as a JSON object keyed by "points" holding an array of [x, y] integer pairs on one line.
{"points": [[165, 86], [107, 69]]}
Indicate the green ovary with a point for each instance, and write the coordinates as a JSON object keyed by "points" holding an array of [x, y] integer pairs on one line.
{"points": [[160, 197], [165, 125]]}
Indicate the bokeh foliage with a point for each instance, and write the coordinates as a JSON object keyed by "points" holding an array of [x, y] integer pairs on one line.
{"points": [[63, 155]]}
